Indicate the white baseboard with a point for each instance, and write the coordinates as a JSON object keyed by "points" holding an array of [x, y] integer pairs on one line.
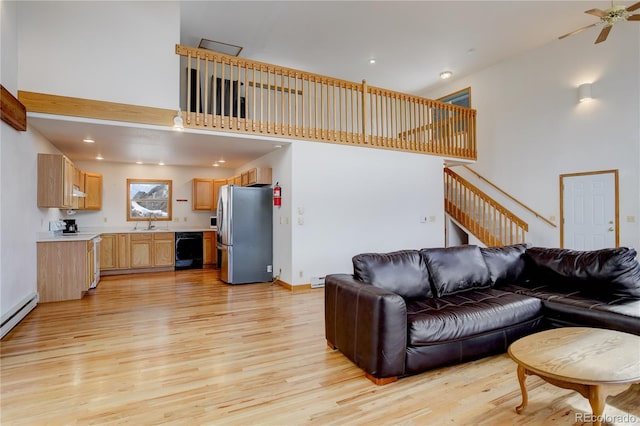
{"points": [[17, 313]]}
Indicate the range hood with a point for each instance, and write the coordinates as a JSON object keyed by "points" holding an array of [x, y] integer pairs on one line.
{"points": [[78, 193]]}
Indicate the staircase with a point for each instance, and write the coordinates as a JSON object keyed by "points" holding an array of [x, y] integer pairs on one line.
{"points": [[489, 221]]}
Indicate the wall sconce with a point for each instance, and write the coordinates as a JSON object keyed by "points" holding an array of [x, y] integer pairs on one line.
{"points": [[584, 92], [178, 124]]}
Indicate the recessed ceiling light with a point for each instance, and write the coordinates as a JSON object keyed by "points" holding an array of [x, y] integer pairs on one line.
{"points": [[138, 162], [216, 165], [277, 146], [160, 164], [446, 74], [99, 157], [221, 161], [372, 61], [88, 140]]}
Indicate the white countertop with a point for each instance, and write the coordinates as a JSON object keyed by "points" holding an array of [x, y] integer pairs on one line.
{"points": [[95, 232]]}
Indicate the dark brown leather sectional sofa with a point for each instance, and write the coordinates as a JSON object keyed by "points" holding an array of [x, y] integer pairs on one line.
{"points": [[405, 312]]}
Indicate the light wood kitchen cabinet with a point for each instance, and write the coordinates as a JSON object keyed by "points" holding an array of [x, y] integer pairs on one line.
{"points": [[65, 269], [258, 176], [78, 182], [164, 249], [237, 180], [55, 181], [217, 183], [123, 251], [91, 265], [141, 250], [202, 194], [150, 250], [209, 239], [93, 189], [109, 252], [114, 252]]}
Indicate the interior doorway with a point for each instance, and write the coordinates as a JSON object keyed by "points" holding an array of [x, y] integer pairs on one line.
{"points": [[589, 210]]}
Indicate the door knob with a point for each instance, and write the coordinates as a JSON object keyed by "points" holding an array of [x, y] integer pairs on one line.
{"points": [[611, 228]]}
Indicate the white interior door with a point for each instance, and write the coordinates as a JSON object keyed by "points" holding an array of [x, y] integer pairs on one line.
{"points": [[589, 210]]}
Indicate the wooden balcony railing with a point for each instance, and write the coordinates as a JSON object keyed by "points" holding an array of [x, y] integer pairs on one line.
{"points": [[489, 221], [239, 95]]}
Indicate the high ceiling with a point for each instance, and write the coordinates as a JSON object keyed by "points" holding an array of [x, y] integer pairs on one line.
{"points": [[412, 42]]}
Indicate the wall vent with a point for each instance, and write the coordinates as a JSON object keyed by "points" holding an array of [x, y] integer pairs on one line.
{"points": [[317, 282]]}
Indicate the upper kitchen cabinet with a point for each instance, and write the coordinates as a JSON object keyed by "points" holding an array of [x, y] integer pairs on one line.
{"points": [[205, 192], [93, 189], [59, 179], [258, 176], [202, 194], [217, 184], [78, 183], [55, 181]]}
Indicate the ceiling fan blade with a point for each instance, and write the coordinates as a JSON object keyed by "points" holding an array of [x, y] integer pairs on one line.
{"points": [[603, 34], [597, 12], [633, 7], [635, 17], [577, 31]]}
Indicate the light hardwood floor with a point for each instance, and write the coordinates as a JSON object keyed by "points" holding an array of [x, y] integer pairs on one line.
{"points": [[184, 348]]}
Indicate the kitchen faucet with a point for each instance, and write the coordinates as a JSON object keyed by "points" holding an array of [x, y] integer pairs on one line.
{"points": [[150, 226]]}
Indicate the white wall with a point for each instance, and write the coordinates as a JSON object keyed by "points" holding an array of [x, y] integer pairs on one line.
{"points": [[114, 193], [357, 200], [111, 51], [531, 128]]}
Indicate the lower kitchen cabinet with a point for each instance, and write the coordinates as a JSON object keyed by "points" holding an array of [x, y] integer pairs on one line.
{"points": [[65, 269], [124, 251], [164, 249], [109, 252], [209, 239], [141, 250]]}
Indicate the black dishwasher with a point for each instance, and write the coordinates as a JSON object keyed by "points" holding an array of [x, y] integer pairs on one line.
{"points": [[188, 250]]}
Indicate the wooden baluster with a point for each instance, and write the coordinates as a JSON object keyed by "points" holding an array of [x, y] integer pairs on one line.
{"points": [[206, 91], [364, 111], [281, 122], [222, 92], [197, 90], [188, 108], [269, 73], [214, 83], [275, 101], [299, 105], [334, 87], [289, 102], [254, 101]]}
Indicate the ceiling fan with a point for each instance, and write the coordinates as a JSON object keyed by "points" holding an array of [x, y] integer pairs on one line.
{"points": [[608, 17]]}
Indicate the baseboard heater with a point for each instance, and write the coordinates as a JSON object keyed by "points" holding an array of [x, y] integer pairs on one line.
{"points": [[15, 315], [317, 282]]}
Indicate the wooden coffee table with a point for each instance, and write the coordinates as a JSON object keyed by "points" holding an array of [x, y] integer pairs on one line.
{"points": [[592, 361]]}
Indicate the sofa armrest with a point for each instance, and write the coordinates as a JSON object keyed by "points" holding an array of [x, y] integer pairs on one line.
{"points": [[367, 324]]}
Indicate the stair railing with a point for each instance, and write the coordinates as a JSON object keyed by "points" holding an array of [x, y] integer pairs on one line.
{"points": [[489, 221]]}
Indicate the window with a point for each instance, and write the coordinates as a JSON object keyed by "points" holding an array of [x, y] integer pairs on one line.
{"points": [[461, 98], [449, 120], [148, 199]]}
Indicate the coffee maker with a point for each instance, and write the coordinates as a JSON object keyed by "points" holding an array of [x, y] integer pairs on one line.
{"points": [[70, 226]]}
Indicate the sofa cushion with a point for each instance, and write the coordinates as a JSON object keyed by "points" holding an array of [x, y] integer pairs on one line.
{"points": [[506, 264], [607, 273], [456, 269], [402, 272], [458, 316]]}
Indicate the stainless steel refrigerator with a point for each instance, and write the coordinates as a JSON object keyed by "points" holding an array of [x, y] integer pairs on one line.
{"points": [[245, 234]]}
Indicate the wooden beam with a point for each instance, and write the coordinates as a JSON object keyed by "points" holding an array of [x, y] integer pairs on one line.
{"points": [[88, 108], [12, 111]]}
